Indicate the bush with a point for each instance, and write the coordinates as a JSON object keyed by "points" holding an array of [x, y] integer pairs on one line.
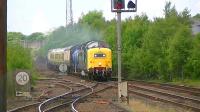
{"points": [[17, 58]]}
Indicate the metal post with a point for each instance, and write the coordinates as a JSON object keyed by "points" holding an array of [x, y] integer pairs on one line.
{"points": [[119, 51], [3, 41]]}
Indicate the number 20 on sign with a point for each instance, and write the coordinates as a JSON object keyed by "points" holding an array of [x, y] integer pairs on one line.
{"points": [[22, 78]]}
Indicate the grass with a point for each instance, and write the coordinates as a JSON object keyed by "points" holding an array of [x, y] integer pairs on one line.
{"points": [[185, 82], [138, 105]]}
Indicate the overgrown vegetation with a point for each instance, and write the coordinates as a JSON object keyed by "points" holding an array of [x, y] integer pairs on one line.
{"points": [[162, 49], [17, 36], [18, 58]]}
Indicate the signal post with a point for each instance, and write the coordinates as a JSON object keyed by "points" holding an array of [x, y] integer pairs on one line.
{"points": [[120, 6], [3, 41]]}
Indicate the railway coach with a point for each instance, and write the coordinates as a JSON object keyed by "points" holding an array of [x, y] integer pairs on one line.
{"points": [[56, 57]]}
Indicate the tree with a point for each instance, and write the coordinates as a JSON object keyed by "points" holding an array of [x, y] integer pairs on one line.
{"points": [[185, 17], [193, 63], [197, 16], [94, 19], [179, 48], [36, 36], [15, 36], [169, 10]]}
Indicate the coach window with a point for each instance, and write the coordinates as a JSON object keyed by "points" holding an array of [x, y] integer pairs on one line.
{"points": [[51, 56], [56, 56], [62, 56]]}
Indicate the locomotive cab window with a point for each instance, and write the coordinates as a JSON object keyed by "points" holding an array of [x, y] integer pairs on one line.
{"points": [[99, 55]]}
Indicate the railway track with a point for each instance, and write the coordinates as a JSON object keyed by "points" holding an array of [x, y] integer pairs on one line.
{"points": [[183, 89], [67, 101], [26, 108], [64, 100], [100, 87], [182, 96], [33, 107], [177, 95]]}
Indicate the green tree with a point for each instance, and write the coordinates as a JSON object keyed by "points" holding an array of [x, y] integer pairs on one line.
{"points": [[197, 16], [193, 63], [94, 19], [133, 31], [36, 36], [169, 10], [185, 17], [15, 36], [179, 48]]}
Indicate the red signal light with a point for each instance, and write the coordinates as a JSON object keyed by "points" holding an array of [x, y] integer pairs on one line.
{"points": [[119, 4]]}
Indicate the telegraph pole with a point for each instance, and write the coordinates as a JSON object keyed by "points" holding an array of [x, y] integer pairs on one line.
{"points": [[3, 41]]}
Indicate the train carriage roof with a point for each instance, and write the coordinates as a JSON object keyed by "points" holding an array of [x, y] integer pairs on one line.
{"points": [[60, 49]]}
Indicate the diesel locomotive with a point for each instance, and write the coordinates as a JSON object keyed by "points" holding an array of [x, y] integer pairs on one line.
{"points": [[92, 59]]}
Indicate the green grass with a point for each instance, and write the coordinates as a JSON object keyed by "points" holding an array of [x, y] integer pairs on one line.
{"points": [[185, 82]]}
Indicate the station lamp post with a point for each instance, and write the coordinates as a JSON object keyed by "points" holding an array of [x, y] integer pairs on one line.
{"points": [[118, 6]]}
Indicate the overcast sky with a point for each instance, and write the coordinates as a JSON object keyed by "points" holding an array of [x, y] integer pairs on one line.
{"points": [[28, 16]]}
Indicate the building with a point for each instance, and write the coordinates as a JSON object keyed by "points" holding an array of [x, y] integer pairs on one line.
{"points": [[196, 27]]}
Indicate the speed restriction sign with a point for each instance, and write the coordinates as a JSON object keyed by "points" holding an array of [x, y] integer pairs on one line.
{"points": [[22, 78], [63, 68]]}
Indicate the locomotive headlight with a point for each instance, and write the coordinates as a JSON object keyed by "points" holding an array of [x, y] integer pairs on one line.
{"points": [[99, 63]]}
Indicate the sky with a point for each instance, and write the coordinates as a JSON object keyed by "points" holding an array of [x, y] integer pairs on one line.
{"points": [[29, 16]]}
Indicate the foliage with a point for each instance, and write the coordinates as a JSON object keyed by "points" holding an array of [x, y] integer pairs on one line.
{"points": [[94, 19], [17, 58], [15, 36], [197, 16], [193, 62], [159, 49], [36, 36]]}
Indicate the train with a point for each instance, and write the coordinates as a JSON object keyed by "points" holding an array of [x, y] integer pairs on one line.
{"points": [[92, 59]]}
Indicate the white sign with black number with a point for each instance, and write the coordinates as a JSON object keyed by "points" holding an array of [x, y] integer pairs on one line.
{"points": [[22, 78], [63, 68]]}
